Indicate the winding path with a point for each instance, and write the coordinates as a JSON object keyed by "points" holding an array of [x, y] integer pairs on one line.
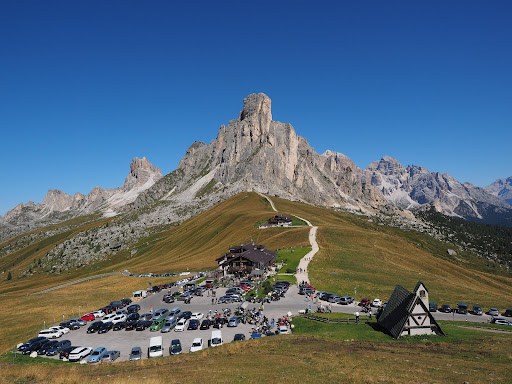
{"points": [[302, 275]]}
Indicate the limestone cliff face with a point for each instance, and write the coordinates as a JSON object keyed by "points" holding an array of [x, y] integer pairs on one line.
{"points": [[257, 153], [501, 188], [414, 187]]}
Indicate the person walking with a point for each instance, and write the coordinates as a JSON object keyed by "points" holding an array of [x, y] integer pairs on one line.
{"points": [[370, 314], [357, 317]]}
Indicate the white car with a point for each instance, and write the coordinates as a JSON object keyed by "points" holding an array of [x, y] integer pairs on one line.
{"points": [[377, 303], [197, 316], [197, 345], [109, 317], [283, 330], [98, 313], [181, 325], [118, 319], [79, 353], [61, 328], [50, 333]]}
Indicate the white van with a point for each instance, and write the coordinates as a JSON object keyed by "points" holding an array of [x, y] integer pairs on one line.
{"points": [[216, 339], [156, 348]]}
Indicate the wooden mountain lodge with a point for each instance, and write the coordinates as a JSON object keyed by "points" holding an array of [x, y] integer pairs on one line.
{"points": [[246, 259]]}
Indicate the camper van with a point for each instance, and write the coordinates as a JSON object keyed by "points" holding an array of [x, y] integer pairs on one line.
{"points": [[216, 339], [155, 347]]}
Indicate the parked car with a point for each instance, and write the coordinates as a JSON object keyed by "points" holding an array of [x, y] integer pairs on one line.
{"points": [[432, 307], [344, 300], [508, 313], [88, 317], [180, 325], [98, 313], [50, 333], [197, 345], [158, 323], [126, 301], [185, 315], [219, 322], [94, 327], [134, 308], [134, 316], [80, 322], [110, 356], [477, 310], [109, 318], [146, 316], [130, 325], [119, 326], [161, 312], [70, 325], [334, 299], [119, 319], [377, 303], [58, 348], [64, 352], [306, 291], [462, 308], [105, 327], [197, 316], [175, 347], [168, 299], [493, 312], [48, 344], [239, 337], [143, 325], [500, 321], [284, 330], [34, 347], [205, 324], [168, 325], [233, 322], [193, 325], [96, 355], [135, 354], [79, 353], [445, 308], [365, 302]]}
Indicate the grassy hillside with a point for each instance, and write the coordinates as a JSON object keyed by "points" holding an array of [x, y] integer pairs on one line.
{"points": [[357, 253]]}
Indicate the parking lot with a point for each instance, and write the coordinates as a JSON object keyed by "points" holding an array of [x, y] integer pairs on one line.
{"points": [[124, 341]]}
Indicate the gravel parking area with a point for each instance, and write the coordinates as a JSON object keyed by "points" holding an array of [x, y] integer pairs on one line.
{"points": [[124, 341]]}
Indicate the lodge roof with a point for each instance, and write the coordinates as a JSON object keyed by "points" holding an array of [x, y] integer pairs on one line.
{"points": [[399, 308], [253, 252]]}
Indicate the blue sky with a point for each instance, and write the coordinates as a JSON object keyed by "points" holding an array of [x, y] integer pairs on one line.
{"points": [[86, 86]]}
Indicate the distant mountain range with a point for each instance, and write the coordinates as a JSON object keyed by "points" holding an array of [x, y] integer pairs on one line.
{"points": [[256, 153]]}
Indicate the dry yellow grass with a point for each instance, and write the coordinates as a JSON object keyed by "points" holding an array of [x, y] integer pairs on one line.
{"points": [[25, 315]]}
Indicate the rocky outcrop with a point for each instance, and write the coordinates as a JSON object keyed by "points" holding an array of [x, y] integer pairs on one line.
{"points": [[57, 205], [501, 188], [415, 186]]}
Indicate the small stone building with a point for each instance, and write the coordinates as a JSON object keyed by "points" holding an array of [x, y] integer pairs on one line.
{"points": [[407, 314]]}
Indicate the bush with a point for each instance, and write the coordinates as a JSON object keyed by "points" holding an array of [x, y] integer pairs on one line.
{"points": [[289, 270], [267, 287]]}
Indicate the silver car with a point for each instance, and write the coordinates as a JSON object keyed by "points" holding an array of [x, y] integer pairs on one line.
{"points": [[135, 354], [110, 356], [96, 355], [169, 325]]}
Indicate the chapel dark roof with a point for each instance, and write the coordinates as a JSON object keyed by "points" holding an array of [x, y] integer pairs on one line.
{"points": [[396, 312]]}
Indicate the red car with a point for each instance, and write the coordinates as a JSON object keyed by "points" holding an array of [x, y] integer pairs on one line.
{"points": [[245, 287], [365, 303], [309, 286], [88, 317]]}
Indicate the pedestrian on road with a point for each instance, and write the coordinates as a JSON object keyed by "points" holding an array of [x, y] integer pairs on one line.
{"points": [[370, 314], [357, 317], [213, 301]]}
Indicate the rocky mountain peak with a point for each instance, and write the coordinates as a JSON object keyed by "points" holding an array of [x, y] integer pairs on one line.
{"points": [[257, 105], [387, 166], [141, 171], [56, 200], [501, 188]]}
